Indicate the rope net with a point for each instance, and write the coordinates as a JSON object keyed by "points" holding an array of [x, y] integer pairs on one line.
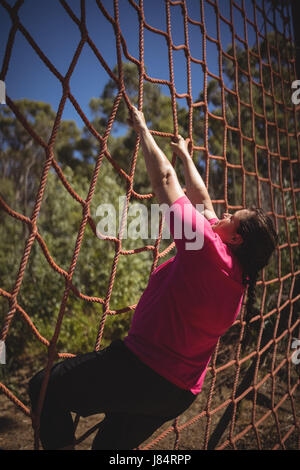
{"points": [[258, 407]]}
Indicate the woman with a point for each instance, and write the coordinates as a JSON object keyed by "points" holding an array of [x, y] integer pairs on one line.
{"points": [[156, 373]]}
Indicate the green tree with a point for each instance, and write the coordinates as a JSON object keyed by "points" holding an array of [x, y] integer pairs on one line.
{"points": [[58, 223]]}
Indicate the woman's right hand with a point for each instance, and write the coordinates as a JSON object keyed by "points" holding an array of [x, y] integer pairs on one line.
{"points": [[180, 147]]}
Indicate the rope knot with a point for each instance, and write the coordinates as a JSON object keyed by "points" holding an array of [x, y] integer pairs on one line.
{"points": [[14, 15], [86, 209], [66, 87], [52, 349], [122, 87], [34, 229], [84, 33]]}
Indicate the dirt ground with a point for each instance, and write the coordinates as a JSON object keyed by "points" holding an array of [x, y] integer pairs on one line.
{"points": [[16, 432]]}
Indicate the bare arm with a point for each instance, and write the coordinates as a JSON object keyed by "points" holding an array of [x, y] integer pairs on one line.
{"points": [[162, 175], [196, 190]]}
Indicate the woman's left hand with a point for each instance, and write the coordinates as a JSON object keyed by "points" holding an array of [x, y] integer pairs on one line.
{"points": [[137, 119]]}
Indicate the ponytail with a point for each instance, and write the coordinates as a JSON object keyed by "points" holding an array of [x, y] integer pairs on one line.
{"points": [[259, 241]]}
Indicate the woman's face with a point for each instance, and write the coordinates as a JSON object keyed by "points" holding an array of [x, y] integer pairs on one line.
{"points": [[227, 227]]}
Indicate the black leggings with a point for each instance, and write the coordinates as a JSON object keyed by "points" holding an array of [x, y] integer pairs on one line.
{"points": [[135, 399]]}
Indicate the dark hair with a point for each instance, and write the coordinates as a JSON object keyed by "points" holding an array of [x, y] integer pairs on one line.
{"points": [[259, 241]]}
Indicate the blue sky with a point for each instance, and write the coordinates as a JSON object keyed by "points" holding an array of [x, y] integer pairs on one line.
{"points": [[58, 37]]}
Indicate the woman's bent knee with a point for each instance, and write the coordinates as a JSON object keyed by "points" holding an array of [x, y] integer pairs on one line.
{"points": [[34, 387], [54, 386]]}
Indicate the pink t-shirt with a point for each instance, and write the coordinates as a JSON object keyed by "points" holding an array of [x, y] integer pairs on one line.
{"points": [[190, 301]]}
